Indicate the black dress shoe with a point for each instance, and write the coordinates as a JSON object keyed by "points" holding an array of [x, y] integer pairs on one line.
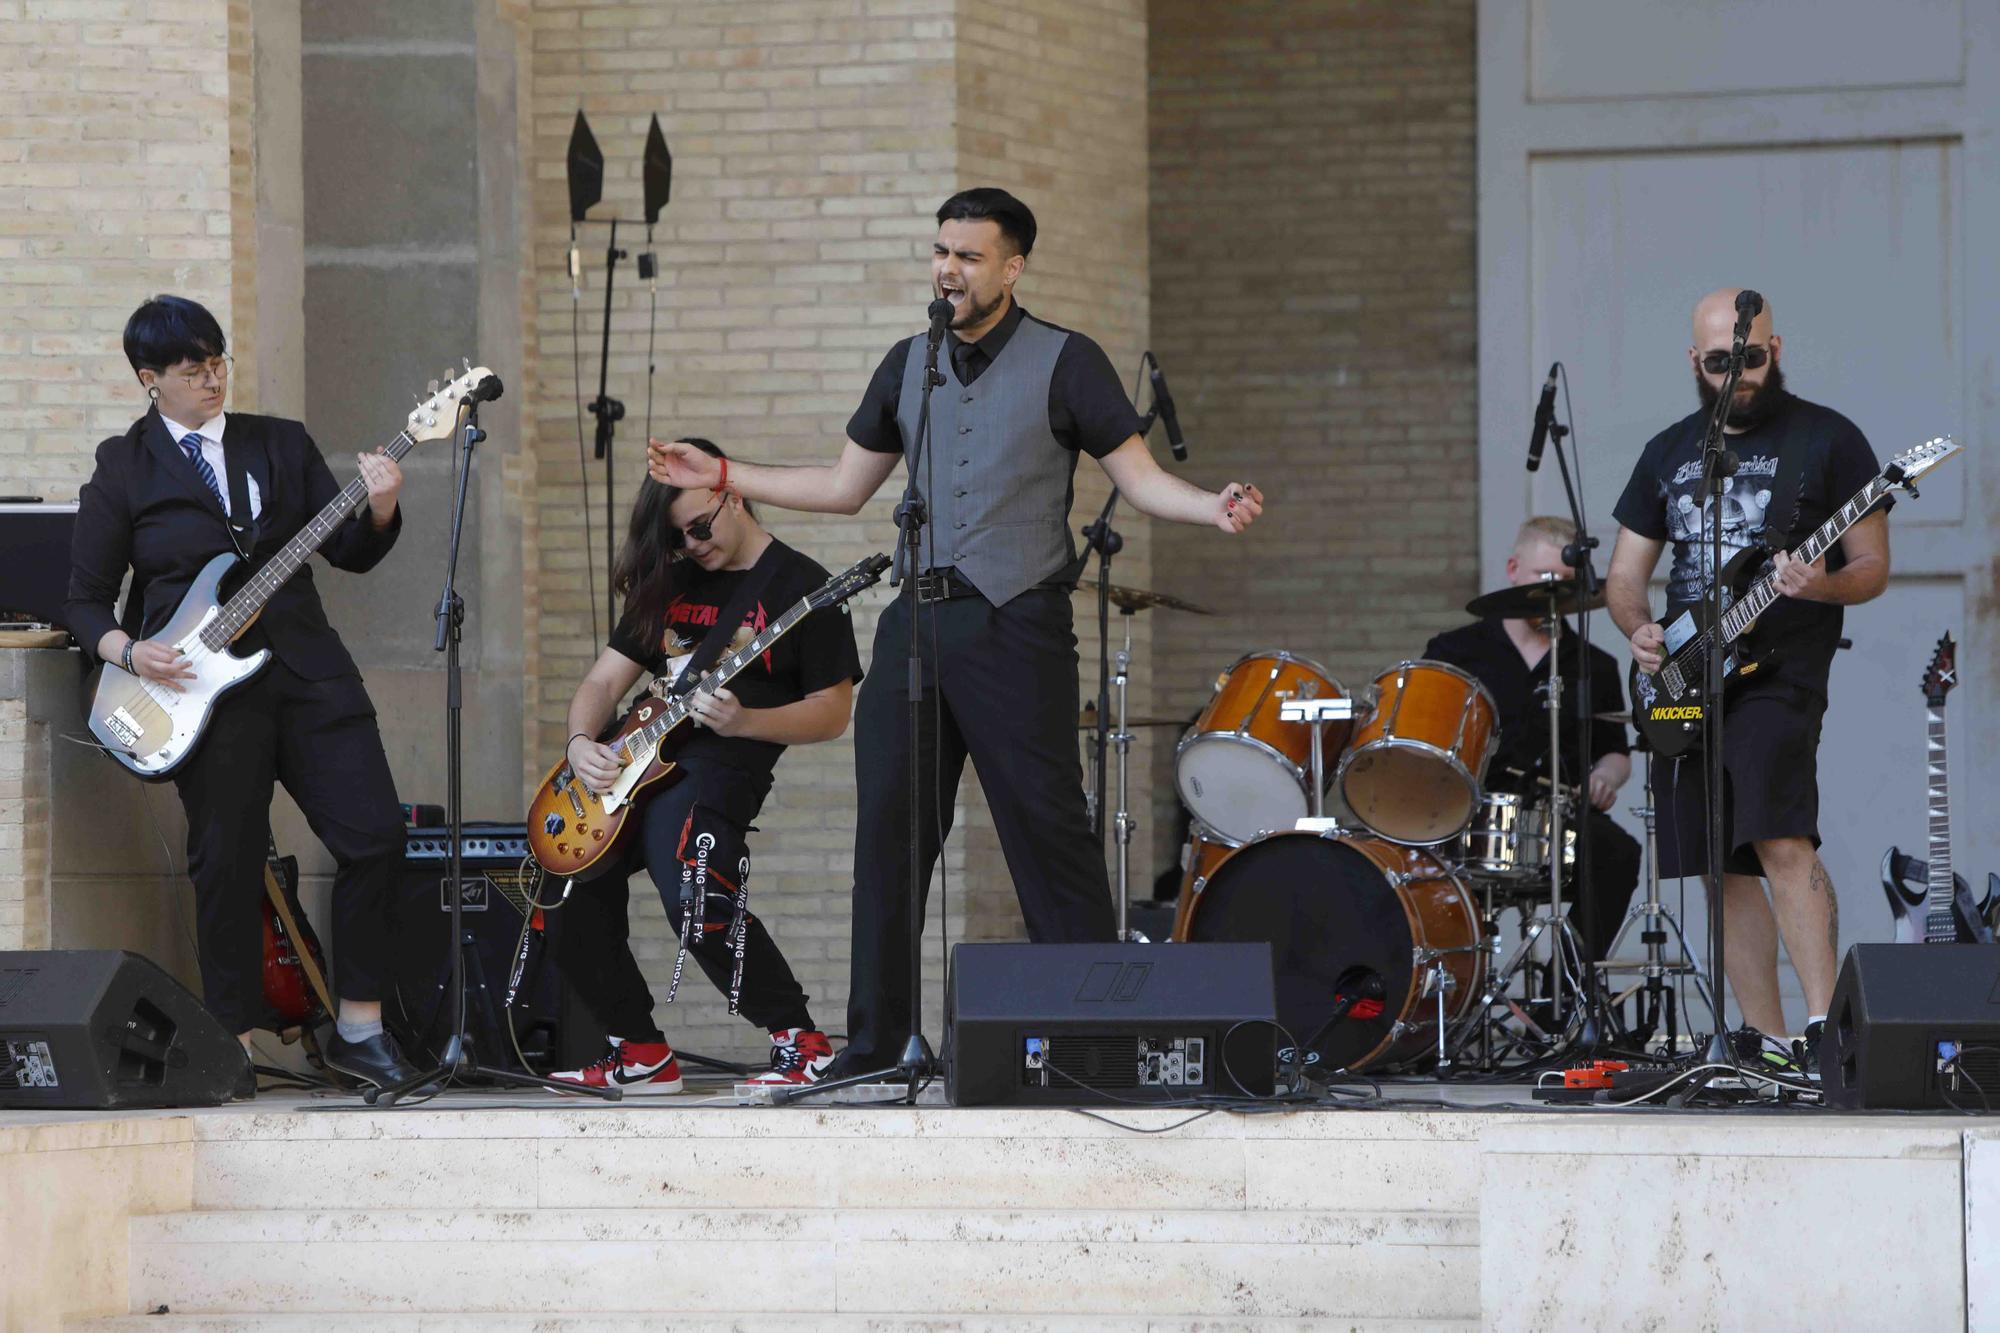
{"points": [[850, 1062], [246, 1084], [376, 1060]]}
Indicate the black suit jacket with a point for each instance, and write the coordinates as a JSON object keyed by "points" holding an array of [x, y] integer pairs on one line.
{"points": [[146, 509]]}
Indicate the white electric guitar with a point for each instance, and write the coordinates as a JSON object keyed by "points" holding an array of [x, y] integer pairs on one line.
{"points": [[152, 728]]}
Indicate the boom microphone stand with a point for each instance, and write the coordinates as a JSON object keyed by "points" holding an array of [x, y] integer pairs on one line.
{"points": [[457, 1059], [917, 1061], [1718, 466]]}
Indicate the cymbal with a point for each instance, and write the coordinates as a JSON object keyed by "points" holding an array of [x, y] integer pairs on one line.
{"points": [[1087, 721], [1139, 599], [1530, 601]]}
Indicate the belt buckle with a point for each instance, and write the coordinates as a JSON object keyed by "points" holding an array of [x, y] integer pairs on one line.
{"points": [[933, 587]]}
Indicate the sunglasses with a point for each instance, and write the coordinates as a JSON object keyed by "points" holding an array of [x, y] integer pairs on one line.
{"points": [[703, 528], [1715, 363]]}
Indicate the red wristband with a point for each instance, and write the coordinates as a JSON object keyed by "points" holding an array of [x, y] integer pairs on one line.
{"points": [[723, 483]]}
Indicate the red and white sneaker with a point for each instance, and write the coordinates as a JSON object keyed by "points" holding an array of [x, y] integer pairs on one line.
{"points": [[641, 1068], [798, 1055]]}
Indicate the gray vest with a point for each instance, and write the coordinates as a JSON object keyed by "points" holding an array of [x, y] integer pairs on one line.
{"points": [[1001, 516]]}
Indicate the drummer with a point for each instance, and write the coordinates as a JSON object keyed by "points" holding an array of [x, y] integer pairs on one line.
{"points": [[1510, 657]]}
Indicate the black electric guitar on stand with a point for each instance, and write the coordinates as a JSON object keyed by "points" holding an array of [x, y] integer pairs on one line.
{"points": [[1949, 915], [1667, 704]]}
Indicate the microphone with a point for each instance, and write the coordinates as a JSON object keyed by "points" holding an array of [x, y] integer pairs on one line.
{"points": [[487, 390], [1163, 407], [1545, 413], [940, 316], [1749, 304]]}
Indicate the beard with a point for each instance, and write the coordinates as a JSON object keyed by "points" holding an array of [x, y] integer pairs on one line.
{"points": [[972, 312], [1752, 412]]}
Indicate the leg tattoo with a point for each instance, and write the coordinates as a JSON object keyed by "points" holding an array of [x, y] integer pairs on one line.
{"points": [[1823, 884]]}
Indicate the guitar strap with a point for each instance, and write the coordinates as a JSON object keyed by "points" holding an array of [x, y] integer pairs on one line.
{"points": [[1783, 512], [727, 620]]}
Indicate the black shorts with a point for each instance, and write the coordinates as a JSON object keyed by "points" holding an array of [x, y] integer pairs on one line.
{"points": [[1770, 749]]}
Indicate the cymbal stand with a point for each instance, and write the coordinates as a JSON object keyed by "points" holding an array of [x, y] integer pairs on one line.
{"points": [[1123, 824], [1556, 846], [1655, 919]]}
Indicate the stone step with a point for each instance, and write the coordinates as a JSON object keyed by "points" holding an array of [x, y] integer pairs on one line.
{"points": [[757, 1323], [854, 1158], [807, 1262]]}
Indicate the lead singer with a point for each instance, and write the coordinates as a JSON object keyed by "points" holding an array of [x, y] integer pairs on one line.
{"points": [[1021, 399]]}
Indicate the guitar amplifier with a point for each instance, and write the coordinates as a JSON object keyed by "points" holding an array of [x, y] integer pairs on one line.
{"points": [[498, 885], [34, 561], [1104, 1024]]}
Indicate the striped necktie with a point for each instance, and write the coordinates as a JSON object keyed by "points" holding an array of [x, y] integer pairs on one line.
{"points": [[191, 444]]}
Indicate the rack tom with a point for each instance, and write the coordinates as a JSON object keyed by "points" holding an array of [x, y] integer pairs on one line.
{"points": [[1242, 771], [1414, 771]]}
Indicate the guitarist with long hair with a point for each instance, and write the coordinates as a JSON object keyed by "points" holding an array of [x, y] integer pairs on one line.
{"points": [[1797, 463], [697, 565], [181, 486]]}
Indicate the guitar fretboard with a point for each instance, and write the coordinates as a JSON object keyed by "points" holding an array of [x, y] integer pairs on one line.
{"points": [[1743, 613], [1939, 927], [240, 609]]}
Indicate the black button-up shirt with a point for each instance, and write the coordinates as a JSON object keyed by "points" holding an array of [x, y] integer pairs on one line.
{"points": [[1485, 650]]}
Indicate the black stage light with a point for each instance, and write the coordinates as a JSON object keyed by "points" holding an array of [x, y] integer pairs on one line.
{"points": [[586, 169], [658, 171]]}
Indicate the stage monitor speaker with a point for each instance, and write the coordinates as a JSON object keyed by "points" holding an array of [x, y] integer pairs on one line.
{"points": [[498, 883], [1103, 1024], [1913, 1026], [102, 1030]]}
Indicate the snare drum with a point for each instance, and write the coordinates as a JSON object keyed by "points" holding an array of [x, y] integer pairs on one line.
{"points": [[1241, 770], [1508, 840], [1414, 772]]}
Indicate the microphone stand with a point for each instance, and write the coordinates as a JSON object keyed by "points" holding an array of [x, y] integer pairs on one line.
{"points": [[457, 1060], [1718, 466], [1578, 556], [917, 1062], [609, 412]]}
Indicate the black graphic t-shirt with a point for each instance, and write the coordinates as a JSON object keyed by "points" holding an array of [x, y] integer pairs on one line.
{"points": [[818, 653], [1664, 502]]}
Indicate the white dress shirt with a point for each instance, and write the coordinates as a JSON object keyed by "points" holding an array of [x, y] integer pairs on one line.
{"points": [[211, 449]]}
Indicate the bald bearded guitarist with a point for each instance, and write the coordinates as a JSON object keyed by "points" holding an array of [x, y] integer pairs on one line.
{"points": [[1772, 722]]}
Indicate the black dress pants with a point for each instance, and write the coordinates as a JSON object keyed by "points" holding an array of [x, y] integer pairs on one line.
{"points": [[1001, 690], [594, 945], [319, 738]]}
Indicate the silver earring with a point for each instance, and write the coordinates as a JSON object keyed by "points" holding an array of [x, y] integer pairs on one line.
{"points": [[153, 392]]}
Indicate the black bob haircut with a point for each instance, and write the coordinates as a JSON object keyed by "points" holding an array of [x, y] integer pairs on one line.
{"points": [[168, 330], [986, 204]]}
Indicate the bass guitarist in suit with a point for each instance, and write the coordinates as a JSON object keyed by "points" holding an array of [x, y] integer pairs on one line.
{"points": [[189, 481]]}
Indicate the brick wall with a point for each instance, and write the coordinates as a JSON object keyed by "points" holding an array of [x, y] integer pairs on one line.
{"points": [[1313, 297], [121, 129]]}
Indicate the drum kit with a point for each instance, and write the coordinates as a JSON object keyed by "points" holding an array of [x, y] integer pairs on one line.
{"points": [[1384, 913]]}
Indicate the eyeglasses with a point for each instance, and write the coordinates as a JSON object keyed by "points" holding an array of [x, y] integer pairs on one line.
{"points": [[1715, 363], [703, 528], [214, 370]]}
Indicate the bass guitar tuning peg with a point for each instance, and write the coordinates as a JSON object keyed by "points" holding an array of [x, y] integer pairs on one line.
{"points": [[433, 388]]}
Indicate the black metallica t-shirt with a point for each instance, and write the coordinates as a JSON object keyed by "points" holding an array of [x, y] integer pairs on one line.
{"points": [[1664, 502], [818, 653]]}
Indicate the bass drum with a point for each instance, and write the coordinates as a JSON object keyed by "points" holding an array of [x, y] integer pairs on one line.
{"points": [[1358, 916]]}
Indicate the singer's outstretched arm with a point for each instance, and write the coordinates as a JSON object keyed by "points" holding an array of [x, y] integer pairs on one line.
{"points": [[838, 489], [1160, 494]]}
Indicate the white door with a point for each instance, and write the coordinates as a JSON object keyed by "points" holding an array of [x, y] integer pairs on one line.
{"points": [[1838, 156]]}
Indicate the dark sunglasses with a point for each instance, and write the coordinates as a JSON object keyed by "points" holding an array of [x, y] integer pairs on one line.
{"points": [[1715, 363], [703, 528]]}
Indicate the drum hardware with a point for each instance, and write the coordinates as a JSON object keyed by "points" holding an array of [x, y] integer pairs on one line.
{"points": [[1312, 711], [1656, 920]]}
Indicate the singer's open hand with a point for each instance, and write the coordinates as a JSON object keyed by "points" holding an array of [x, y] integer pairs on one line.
{"points": [[678, 463], [385, 481], [1237, 506]]}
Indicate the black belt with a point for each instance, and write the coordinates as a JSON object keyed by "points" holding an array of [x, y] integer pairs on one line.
{"points": [[945, 583]]}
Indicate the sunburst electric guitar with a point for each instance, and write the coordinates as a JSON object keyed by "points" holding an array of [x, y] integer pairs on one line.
{"points": [[1667, 704], [152, 728], [572, 830]]}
